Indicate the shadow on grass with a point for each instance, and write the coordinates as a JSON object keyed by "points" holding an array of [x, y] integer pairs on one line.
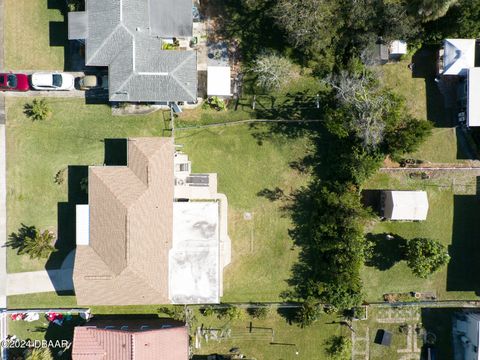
{"points": [[425, 62], [464, 251], [385, 250]]}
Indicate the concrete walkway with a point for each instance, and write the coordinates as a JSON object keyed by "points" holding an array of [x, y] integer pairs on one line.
{"points": [[42, 281], [3, 211]]}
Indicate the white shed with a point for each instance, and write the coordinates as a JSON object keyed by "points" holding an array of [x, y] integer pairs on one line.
{"points": [[218, 81], [398, 47], [405, 205]]}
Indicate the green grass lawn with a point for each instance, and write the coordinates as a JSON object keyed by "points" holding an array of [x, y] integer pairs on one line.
{"points": [[257, 344], [34, 34], [440, 147], [41, 301], [397, 77], [451, 220]]}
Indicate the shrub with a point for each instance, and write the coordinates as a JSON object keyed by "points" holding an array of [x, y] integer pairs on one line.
{"points": [[308, 313], [231, 313], [60, 176], [37, 110], [426, 256], [38, 354], [214, 102], [259, 311], [339, 348], [208, 311]]}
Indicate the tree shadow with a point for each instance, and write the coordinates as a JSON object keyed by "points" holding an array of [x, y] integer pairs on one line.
{"points": [[385, 250], [16, 240], [272, 195], [261, 32], [464, 250], [288, 313]]}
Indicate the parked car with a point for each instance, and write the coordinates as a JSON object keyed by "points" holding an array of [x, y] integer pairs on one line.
{"points": [[90, 82], [53, 81], [14, 82]]}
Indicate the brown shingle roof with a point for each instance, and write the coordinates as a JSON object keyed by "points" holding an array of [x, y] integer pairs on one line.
{"points": [[131, 210], [162, 344]]}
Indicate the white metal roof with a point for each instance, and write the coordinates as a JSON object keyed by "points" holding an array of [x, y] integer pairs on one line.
{"points": [[194, 260], [218, 81], [408, 205], [473, 97], [82, 224], [459, 55], [398, 47]]}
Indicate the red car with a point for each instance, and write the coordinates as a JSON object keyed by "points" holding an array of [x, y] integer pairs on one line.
{"points": [[14, 82]]}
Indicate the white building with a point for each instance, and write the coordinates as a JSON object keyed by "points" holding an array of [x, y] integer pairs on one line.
{"points": [[405, 205]]}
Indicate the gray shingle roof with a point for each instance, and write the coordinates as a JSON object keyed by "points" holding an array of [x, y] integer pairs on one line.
{"points": [[125, 36]]}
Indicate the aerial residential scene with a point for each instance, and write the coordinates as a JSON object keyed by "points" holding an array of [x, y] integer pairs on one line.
{"points": [[240, 179]]}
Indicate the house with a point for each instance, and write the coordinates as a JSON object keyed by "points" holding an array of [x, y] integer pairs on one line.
{"points": [[144, 43], [456, 57], [405, 205], [128, 340], [152, 232], [466, 335], [468, 96]]}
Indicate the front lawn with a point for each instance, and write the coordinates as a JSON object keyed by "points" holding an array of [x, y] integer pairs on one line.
{"points": [[452, 220], [35, 34], [37, 151]]}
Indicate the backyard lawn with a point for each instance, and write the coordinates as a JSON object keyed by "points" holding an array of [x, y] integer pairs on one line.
{"points": [[272, 338], [452, 220], [35, 34]]}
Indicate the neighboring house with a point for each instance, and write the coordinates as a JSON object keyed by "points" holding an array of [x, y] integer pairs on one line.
{"points": [[466, 335], [405, 205], [386, 51], [129, 340], [468, 96], [140, 240], [131, 38], [456, 57]]}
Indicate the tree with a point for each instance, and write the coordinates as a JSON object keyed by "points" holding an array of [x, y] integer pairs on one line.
{"points": [[271, 70], [308, 313], [39, 245], [429, 10], [309, 25], [339, 348], [37, 110], [38, 354], [426, 256]]}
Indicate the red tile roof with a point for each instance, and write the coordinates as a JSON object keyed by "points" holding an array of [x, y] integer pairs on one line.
{"points": [[90, 343]]}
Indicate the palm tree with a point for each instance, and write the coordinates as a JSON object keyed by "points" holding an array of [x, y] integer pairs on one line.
{"points": [[39, 245], [38, 354]]}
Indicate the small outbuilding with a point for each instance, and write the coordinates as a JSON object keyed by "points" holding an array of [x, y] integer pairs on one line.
{"points": [[218, 81], [405, 205], [398, 48]]}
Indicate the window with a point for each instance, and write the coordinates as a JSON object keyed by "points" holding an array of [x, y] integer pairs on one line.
{"points": [[11, 81], [57, 80], [124, 327], [184, 167], [144, 327]]}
